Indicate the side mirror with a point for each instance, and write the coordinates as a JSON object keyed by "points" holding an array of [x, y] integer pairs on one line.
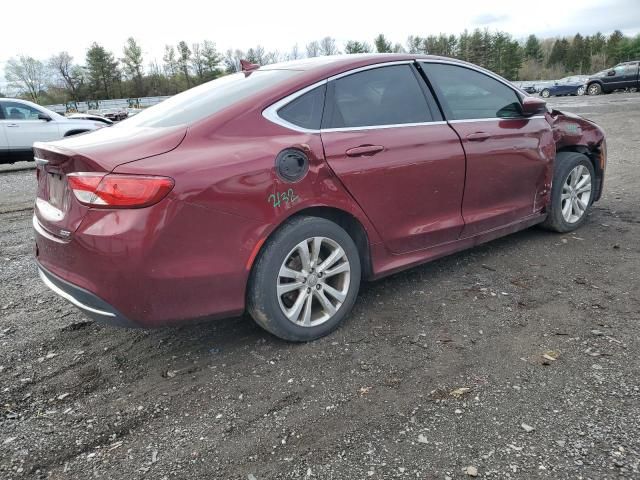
{"points": [[611, 73], [533, 106], [44, 116]]}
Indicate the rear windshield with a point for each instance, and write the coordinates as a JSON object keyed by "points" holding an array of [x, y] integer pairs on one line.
{"points": [[206, 99]]}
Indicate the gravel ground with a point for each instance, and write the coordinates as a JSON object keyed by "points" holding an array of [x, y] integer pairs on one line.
{"points": [[517, 359]]}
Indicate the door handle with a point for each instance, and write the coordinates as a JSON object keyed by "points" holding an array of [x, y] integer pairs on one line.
{"points": [[12, 125], [478, 136], [364, 150]]}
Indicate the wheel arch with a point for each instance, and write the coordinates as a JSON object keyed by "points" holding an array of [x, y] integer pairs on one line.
{"points": [[594, 156], [344, 219]]}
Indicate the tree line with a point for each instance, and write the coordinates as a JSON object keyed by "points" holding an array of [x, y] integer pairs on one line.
{"points": [[102, 75]]}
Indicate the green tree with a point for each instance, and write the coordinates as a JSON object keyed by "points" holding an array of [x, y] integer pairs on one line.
{"points": [[415, 44], [103, 73], [212, 59], [256, 55], [559, 53], [353, 46], [532, 49], [615, 47], [132, 63], [382, 44], [184, 61], [170, 68]]}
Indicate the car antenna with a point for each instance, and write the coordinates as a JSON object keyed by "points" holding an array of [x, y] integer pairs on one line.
{"points": [[248, 67]]}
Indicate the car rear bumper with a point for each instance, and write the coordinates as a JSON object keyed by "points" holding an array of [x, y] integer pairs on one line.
{"points": [[150, 267], [93, 306]]}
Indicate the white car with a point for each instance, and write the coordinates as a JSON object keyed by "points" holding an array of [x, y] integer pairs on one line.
{"points": [[22, 123]]}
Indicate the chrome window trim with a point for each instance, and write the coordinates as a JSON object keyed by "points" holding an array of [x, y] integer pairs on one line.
{"points": [[488, 73], [379, 127], [271, 112]]}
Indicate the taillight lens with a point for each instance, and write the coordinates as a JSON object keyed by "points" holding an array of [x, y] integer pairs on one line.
{"points": [[118, 191]]}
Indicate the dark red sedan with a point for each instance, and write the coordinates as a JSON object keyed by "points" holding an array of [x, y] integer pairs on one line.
{"points": [[277, 189]]}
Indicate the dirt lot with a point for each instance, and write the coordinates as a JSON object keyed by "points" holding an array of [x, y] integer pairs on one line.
{"points": [[377, 399]]}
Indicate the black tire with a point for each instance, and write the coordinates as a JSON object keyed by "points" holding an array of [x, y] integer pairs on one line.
{"points": [[262, 299], [545, 93], [594, 89], [564, 164]]}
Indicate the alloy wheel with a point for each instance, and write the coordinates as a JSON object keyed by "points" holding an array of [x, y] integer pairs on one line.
{"points": [[576, 194], [594, 89], [313, 281]]}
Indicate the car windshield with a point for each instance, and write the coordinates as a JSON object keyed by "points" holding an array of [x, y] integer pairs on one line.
{"points": [[207, 99]]}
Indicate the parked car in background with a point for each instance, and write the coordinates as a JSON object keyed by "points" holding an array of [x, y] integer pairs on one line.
{"points": [[92, 117], [564, 86], [529, 89], [623, 76], [278, 189], [115, 114], [22, 123]]}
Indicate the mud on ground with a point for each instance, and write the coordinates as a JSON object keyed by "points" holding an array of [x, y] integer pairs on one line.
{"points": [[519, 358]]}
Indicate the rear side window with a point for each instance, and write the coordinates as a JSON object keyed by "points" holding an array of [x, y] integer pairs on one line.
{"points": [[306, 110], [207, 99], [380, 96], [468, 94]]}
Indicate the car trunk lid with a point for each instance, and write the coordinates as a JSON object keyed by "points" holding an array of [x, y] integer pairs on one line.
{"points": [[56, 209]]}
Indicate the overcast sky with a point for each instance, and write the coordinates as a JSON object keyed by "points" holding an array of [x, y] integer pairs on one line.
{"points": [[40, 28]]}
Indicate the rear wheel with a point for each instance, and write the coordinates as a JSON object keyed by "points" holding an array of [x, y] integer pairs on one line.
{"points": [[580, 91], [305, 281], [572, 192], [594, 89]]}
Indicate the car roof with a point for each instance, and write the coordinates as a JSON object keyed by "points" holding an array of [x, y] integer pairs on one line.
{"points": [[349, 61]]}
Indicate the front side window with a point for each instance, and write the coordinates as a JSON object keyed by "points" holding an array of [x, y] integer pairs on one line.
{"points": [[19, 111], [376, 97], [467, 94]]}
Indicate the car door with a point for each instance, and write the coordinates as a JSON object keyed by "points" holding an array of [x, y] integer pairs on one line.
{"points": [[509, 156], [385, 138], [23, 127], [614, 78], [631, 75]]}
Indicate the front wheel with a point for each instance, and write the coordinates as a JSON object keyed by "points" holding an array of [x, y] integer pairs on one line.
{"points": [[305, 281], [545, 93], [572, 192], [594, 89]]}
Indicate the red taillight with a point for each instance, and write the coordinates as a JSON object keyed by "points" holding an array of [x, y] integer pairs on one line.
{"points": [[118, 191]]}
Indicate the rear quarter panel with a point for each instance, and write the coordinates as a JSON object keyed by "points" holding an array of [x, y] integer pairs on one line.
{"points": [[231, 169]]}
